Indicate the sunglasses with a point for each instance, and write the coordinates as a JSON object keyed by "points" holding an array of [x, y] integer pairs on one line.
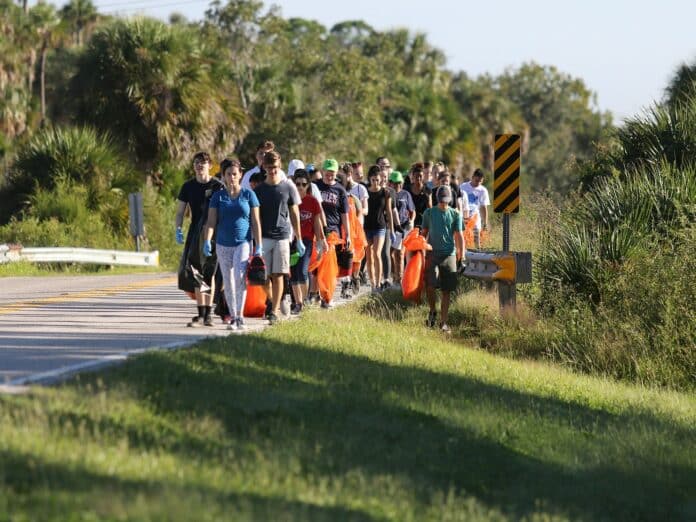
{"points": [[301, 184]]}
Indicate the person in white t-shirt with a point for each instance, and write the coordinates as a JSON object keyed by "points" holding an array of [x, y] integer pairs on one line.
{"points": [[478, 201], [263, 148]]}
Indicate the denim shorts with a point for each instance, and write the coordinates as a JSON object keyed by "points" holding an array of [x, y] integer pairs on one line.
{"points": [[300, 273], [371, 234]]}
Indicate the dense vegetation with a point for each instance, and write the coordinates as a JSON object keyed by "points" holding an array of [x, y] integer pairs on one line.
{"points": [[94, 107]]}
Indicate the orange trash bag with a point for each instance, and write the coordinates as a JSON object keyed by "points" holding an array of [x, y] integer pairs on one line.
{"points": [[327, 271], [469, 233], [358, 240], [414, 241], [313, 258], [255, 304], [413, 279]]}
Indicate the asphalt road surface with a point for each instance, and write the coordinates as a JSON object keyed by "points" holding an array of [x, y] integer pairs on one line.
{"points": [[51, 327]]}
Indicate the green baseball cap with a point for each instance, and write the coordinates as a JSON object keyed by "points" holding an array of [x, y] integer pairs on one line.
{"points": [[396, 177], [330, 164]]}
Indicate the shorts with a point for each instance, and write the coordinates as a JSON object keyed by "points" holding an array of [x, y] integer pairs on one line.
{"points": [[276, 255], [300, 273], [372, 234], [441, 269]]}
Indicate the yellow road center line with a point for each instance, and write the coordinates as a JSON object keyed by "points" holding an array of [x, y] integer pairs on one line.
{"points": [[86, 294]]}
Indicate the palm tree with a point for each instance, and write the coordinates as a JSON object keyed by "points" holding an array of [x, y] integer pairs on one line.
{"points": [[160, 90], [47, 25], [682, 87], [80, 15]]}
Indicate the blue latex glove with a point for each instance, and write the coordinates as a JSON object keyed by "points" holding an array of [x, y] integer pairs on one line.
{"points": [[392, 236], [300, 247], [258, 251], [179, 236], [207, 248]]}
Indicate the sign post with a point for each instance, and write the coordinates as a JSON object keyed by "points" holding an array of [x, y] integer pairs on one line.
{"points": [[137, 217], [506, 199]]}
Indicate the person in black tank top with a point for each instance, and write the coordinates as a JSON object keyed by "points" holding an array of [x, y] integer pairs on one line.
{"points": [[377, 221]]}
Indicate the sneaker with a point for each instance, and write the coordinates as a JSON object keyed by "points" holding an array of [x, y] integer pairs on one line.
{"points": [[241, 325], [208, 321], [444, 328], [296, 309], [355, 284], [232, 326], [227, 319], [272, 318], [385, 286], [376, 290], [345, 291], [326, 304], [284, 306], [195, 322], [432, 316]]}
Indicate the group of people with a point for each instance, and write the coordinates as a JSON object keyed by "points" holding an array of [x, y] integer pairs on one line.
{"points": [[285, 218]]}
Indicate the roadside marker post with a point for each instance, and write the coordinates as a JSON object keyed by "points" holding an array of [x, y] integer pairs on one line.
{"points": [[506, 199], [506, 267]]}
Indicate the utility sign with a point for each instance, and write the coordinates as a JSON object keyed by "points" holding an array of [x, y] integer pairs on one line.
{"points": [[506, 174]]}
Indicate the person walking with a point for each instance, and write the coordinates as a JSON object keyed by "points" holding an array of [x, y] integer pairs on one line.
{"points": [[377, 221], [477, 200], [312, 230], [279, 215], [420, 193], [442, 227], [234, 217], [334, 201], [405, 213], [197, 272]]}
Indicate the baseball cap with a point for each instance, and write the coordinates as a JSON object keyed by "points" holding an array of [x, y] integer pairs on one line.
{"points": [[293, 166], [444, 194], [330, 164], [396, 177]]}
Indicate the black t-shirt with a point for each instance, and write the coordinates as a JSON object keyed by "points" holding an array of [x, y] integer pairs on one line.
{"points": [[275, 202], [376, 205], [198, 195], [421, 203], [334, 201], [456, 194]]}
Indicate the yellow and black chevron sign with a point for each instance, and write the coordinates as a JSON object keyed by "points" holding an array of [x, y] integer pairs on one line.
{"points": [[506, 176]]}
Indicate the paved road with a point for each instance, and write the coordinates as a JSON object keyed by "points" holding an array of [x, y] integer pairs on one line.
{"points": [[50, 325]]}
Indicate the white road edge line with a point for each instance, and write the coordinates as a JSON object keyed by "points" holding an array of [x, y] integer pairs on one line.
{"points": [[60, 374]]}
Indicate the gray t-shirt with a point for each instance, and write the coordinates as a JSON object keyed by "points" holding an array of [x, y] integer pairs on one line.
{"points": [[275, 202]]}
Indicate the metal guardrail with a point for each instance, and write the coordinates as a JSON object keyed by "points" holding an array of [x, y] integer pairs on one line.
{"points": [[77, 255]]}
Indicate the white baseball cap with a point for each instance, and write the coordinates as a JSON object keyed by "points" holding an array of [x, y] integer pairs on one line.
{"points": [[293, 166]]}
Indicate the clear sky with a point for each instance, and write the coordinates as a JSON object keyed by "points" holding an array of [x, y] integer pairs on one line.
{"points": [[625, 51]]}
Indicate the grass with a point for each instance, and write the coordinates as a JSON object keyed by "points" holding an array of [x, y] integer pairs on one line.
{"points": [[356, 414], [26, 269]]}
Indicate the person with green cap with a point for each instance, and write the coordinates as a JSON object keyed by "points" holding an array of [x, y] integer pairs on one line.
{"points": [[442, 227], [334, 202], [405, 213]]}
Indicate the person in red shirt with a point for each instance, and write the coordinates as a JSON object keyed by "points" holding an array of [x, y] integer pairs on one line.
{"points": [[311, 229]]}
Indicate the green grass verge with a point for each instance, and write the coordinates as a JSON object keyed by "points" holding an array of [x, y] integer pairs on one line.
{"points": [[356, 414], [24, 269]]}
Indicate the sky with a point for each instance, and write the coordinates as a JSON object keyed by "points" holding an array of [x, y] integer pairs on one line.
{"points": [[625, 51]]}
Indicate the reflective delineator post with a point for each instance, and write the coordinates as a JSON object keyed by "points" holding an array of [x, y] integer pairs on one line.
{"points": [[507, 291]]}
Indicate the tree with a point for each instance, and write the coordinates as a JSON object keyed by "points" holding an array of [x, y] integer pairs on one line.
{"points": [[80, 15], [682, 87], [563, 120], [160, 90]]}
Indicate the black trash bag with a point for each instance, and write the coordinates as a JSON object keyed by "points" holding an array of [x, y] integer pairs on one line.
{"points": [[195, 270]]}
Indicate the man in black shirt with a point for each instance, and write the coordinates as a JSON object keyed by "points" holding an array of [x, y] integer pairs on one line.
{"points": [[444, 179], [334, 202], [196, 271]]}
